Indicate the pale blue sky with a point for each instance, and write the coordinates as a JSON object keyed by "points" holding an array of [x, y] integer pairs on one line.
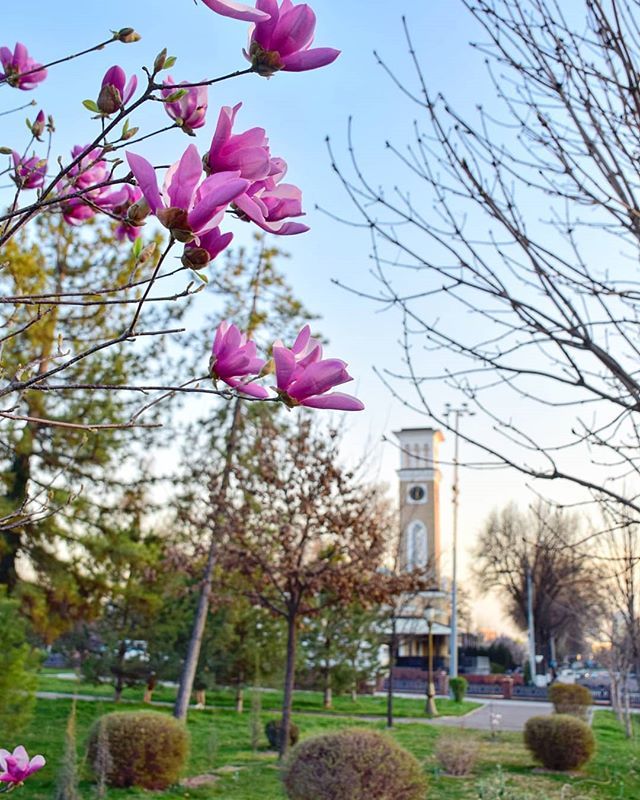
{"points": [[298, 111]]}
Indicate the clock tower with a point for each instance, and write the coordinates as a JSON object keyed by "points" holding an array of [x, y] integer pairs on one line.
{"points": [[419, 479]]}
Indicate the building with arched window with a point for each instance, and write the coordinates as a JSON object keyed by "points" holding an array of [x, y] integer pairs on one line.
{"points": [[419, 550]]}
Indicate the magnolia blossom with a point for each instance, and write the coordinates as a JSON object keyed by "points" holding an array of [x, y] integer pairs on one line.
{"points": [[229, 8], [269, 203], [247, 152], [185, 206], [118, 203], [284, 40], [303, 377], [211, 244], [234, 361], [20, 70], [115, 91], [29, 172], [281, 37], [16, 767], [265, 202], [90, 171], [190, 110]]}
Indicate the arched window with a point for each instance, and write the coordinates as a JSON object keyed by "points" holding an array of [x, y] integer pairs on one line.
{"points": [[416, 544]]}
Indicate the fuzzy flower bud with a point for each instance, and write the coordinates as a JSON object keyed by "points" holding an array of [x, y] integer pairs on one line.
{"points": [[127, 35]]}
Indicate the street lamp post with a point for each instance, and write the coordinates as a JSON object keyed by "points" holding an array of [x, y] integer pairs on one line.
{"points": [[463, 410], [432, 711]]}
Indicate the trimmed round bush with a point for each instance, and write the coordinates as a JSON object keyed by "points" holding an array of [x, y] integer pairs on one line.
{"points": [[138, 748], [272, 732], [458, 688], [352, 764], [559, 741], [570, 698]]}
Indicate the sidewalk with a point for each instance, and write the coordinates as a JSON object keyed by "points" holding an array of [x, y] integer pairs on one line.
{"points": [[513, 715]]}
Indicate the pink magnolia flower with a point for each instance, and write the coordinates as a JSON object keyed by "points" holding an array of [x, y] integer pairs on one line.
{"points": [[90, 171], [29, 172], [234, 360], [212, 243], [20, 70], [303, 377], [117, 203], [247, 152], [265, 202], [283, 42], [115, 91], [228, 8], [16, 767], [281, 37], [269, 203], [185, 206], [188, 111], [75, 211]]}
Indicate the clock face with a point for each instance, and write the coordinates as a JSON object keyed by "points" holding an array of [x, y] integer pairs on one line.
{"points": [[417, 493]]}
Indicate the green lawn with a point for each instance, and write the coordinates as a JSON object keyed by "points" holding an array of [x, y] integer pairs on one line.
{"points": [[271, 700], [221, 738]]}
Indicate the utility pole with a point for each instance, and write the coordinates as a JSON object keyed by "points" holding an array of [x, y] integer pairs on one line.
{"points": [[532, 635], [455, 489]]}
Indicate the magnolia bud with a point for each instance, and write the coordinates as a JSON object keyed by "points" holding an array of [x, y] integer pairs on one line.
{"points": [[109, 100], [158, 64], [138, 212], [37, 126], [195, 258], [127, 35]]}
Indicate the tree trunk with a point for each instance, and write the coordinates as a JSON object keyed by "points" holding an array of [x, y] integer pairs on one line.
{"points": [[195, 642], [628, 725], [119, 672], [354, 692], [327, 698], [289, 678], [17, 494], [239, 699], [392, 658]]}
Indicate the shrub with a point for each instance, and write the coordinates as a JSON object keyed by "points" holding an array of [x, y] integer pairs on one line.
{"points": [[272, 731], [352, 765], [560, 741], [145, 749], [456, 754], [458, 688], [570, 698]]}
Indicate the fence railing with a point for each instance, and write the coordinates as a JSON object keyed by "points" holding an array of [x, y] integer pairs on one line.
{"points": [[600, 694]]}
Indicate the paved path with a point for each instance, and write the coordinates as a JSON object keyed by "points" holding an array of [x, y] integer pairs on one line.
{"points": [[514, 713]]}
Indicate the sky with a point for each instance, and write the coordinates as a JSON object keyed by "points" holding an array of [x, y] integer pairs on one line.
{"points": [[299, 111]]}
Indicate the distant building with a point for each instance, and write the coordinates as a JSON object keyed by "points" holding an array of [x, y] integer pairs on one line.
{"points": [[419, 549]]}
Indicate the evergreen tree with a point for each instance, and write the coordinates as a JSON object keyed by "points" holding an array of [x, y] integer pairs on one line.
{"points": [[56, 480], [18, 663]]}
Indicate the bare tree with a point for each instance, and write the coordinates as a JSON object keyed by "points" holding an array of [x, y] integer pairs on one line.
{"points": [[565, 580], [620, 628], [520, 229]]}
